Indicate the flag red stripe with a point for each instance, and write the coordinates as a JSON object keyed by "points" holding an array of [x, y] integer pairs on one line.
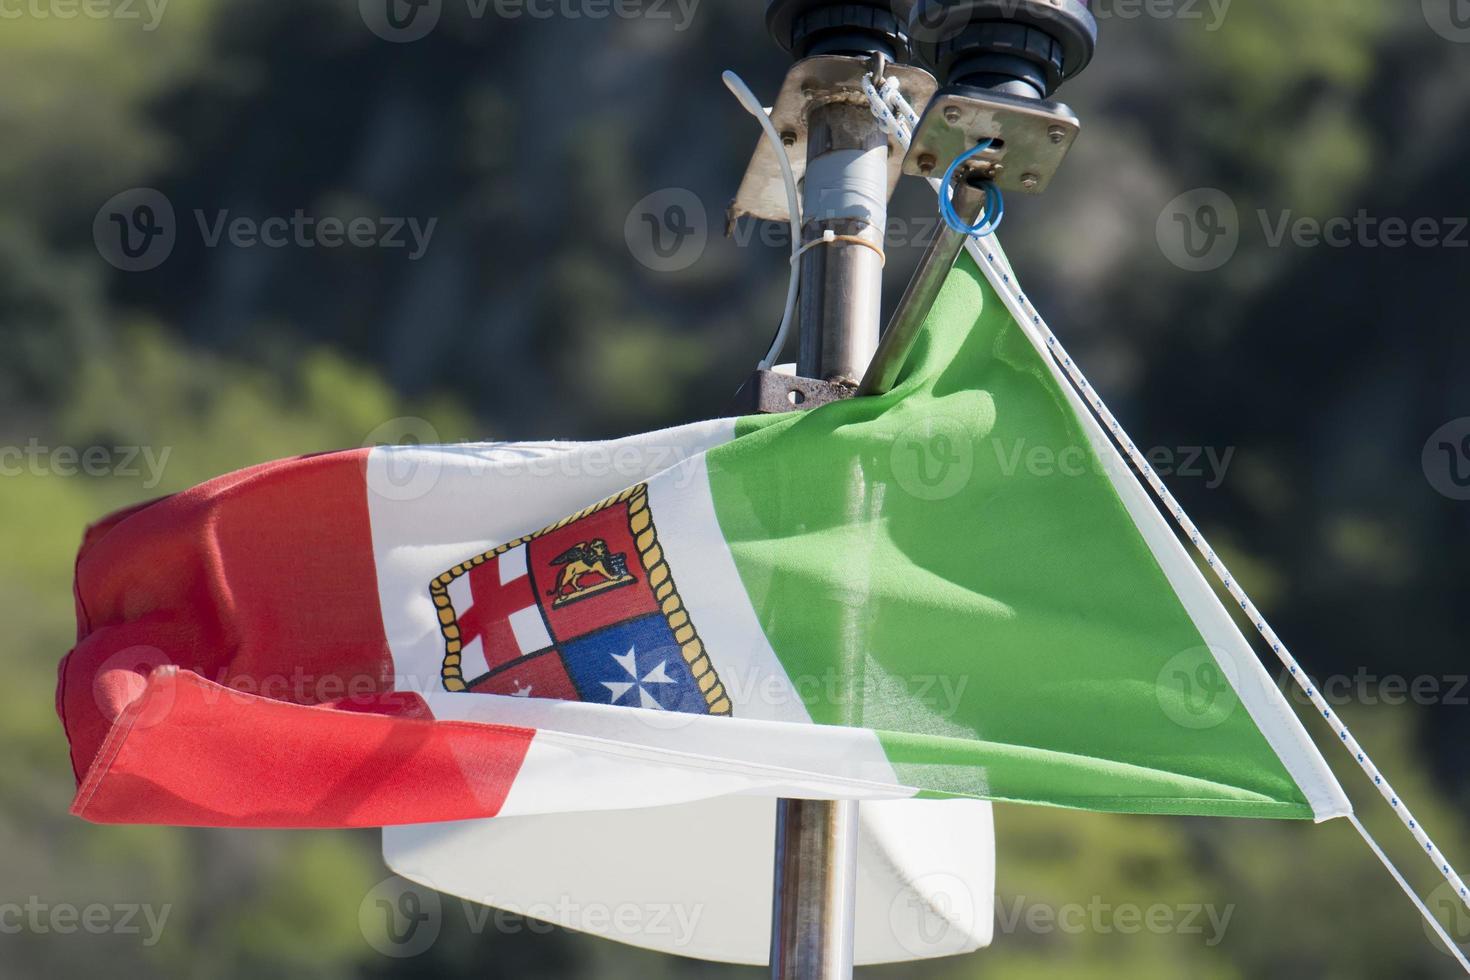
{"points": [[260, 582], [190, 752]]}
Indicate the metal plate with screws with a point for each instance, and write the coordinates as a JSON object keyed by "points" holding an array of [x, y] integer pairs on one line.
{"points": [[1031, 137], [772, 393], [825, 78]]}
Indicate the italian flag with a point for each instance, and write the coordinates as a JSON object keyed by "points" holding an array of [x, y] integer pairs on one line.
{"points": [[951, 594]]}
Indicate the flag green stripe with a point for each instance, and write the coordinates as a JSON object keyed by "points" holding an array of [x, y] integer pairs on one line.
{"points": [[949, 566]]}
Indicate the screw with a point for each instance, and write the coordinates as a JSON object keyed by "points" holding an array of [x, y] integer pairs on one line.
{"points": [[926, 162], [1029, 181], [808, 89], [952, 115], [788, 138], [1056, 134]]}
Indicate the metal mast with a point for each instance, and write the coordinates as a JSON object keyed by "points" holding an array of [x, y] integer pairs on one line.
{"points": [[1000, 60], [849, 175]]}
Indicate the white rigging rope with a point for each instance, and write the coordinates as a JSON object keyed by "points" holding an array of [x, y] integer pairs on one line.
{"points": [[992, 262]]}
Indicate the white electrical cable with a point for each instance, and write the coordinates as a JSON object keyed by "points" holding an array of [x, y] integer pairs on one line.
{"points": [[752, 105], [992, 262]]}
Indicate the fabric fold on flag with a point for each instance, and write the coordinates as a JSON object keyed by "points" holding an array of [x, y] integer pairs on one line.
{"points": [[955, 590]]}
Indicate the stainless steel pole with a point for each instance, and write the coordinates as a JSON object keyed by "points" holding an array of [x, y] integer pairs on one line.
{"points": [[846, 193], [918, 299], [815, 889]]}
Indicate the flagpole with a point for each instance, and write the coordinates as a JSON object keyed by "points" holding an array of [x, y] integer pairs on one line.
{"points": [[1000, 60], [844, 211], [815, 884]]}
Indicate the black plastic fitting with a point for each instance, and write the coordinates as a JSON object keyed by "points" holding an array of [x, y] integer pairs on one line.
{"points": [[1019, 47], [857, 27]]}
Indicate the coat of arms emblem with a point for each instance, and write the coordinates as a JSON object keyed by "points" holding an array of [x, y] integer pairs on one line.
{"points": [[583, 610], [588, 568]]}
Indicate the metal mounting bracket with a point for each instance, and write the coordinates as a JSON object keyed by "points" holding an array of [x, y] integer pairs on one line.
{"points": [[1031, 137], [820, 78], [772, 393]]}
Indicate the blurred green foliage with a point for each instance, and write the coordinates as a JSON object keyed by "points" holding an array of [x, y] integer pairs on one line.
{"points": [[530, 141]]}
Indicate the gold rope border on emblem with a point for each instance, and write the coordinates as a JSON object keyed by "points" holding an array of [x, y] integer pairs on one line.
{"points": [[660, 579]]}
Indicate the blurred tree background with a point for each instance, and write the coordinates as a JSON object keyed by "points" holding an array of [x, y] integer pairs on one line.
{"points": [[528, 141]]}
